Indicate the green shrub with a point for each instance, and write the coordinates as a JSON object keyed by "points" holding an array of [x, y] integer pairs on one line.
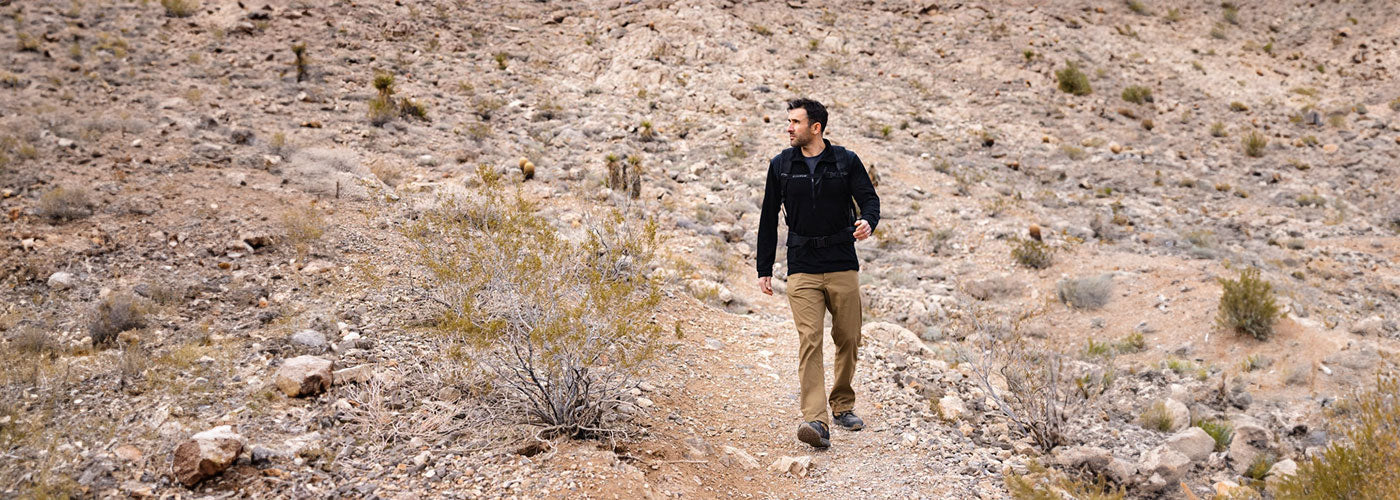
{"points": [[409, 108], [1132, 342], [1254, 143], [564, 325], [1259, 468], [1138, 8], [1217, 129], [1247, 305], [1219, 430], [1137, 94], [1366, 462], [180, 8], [1072, 80], [1031, 253], [1156, 417], [1085, 293]]}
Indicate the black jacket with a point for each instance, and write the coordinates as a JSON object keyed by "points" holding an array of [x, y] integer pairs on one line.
{"points": [[819, 210]]}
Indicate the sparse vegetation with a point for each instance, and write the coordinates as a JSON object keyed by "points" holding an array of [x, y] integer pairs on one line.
{"points": [[1217, 129], [1156, 417], [115, 313], [303, 227], [1031, 253], [299, 50], [1247, 305], [1085, 293], [1072, 80], [1219, 430], [1138, 7], [561, 327], [1041, 483], [180, 8], [1259, 468], [1365, 463], [65, 203], [1254, 144], [384, 108], [1137, 94]]}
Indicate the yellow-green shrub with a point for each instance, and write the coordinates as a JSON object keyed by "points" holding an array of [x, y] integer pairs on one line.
{"points": [[1367, 462], [1247, 305]]}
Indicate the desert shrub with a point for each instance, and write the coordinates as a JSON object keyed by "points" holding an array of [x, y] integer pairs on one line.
{"points": [[1132, 342], [1219, 430], [1259, 468], [1032, 253], [938, 239], [409, 108], [1238, 107], [1247, 305], [180, 8], [1038, 399], [1217, 129], [1137, 94], [302, 227], [1041, 483], [388, 173], [563, 326], [381, 111], [1138, 7], [991, 288], [1254, 143], [299, 50], [1085, 293], [1072, 80], [115, 313], [65, 203], [33, 341], [1156, 417], [1365, 463]]}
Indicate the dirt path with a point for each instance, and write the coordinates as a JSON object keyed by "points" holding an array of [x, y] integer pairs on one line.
{"points": [[737, 386]]}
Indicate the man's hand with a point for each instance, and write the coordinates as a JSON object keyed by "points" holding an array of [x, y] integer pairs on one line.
{"points": [[862, 230], [765, 285]]}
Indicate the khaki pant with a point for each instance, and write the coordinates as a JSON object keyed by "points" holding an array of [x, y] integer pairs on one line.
{"points": [[811, 296]]}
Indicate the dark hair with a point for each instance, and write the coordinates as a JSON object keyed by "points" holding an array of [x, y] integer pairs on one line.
{"points": [[816, 113]]}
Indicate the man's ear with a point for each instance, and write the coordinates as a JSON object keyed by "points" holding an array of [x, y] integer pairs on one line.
{"points": [[817, 128]]}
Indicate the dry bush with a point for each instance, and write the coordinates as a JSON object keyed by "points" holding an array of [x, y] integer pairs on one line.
{"points": [[1085, 293], [1365, 463], [1254, 144], [1247, 305], [32, 341], [1041, 483], [1038, 399], [303, 227], [180, 8], [115, 313], [1156, 417], [1137, 94], [1032, 253], [991, 288], [65, 203], [387, 173], [563, 326]]}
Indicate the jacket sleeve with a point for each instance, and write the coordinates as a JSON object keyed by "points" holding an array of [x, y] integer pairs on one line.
{"points": [[864, 192], [768, 223]]}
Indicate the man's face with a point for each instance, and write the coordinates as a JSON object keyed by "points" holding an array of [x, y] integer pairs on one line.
{"points": [[800, 130]]}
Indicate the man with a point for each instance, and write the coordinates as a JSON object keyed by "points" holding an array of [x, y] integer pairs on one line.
{"points": [[815, 182]]}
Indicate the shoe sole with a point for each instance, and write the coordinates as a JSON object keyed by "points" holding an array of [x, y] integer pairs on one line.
{"points": [[808, 435], [852, 428]]}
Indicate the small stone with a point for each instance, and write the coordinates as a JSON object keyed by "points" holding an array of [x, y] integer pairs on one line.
{"points": [[61, 280], [422, 458], [745, 460], [1329, 148], [951, 407], [1281, 471], [1072, 457], [1372, 326], [714, 344], [355, 374], [304, 375], [64, 142], [644, 402], [1164, 464], [797, 466], [1115, 148], [206, 454], [310, 339], [1249, 440], [317, 267], [127, 453], [1179, 413]]}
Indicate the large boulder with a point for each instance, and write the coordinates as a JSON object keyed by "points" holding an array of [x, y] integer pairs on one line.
{"points": [[1071, 457], [1162, 467], [1280, 472], [1192, 442], [1179, 413], [206, 454], [1250, 440], [304, 376], [895, 337]]}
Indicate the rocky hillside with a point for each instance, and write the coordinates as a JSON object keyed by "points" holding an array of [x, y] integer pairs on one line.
{"points": [[208, 287]]}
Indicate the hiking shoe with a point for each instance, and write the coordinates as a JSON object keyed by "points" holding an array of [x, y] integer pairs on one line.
{"points": [[848, 420], [814, 433]]}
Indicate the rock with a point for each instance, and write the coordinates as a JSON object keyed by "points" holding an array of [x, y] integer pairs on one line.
{"points": [[127, 453], [1250, 439], [1121, 471], [897, 337], [951, 407], [317, 267], [206, 454], [1329, 148], [304, 375], [262, 455], [1231, 489], [1163, 466], [1192, 442], [61, 280], [1371, 327], [64, 142], [797, 466], [742, 457], [1280, 472], [1179, 413], [1070, 457], [356, 374], [310, 339]]}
